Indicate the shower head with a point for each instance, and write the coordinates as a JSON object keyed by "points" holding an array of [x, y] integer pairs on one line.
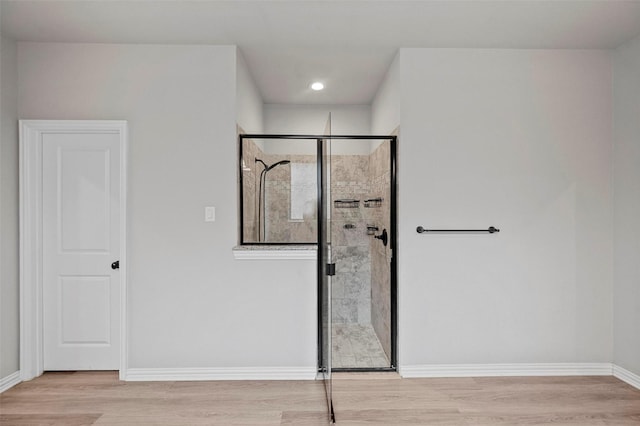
{"points": [[267, 167], [283, 162], [257, 160]]}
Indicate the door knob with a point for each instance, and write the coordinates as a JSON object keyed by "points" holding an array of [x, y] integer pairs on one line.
{"points": [[115, 265], [383, 237]]}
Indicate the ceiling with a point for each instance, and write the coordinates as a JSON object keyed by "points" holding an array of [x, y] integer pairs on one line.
{"points": [[347, 44]]}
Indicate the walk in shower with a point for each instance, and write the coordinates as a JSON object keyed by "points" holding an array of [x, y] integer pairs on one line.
{"points": [[361, 222], [280, 205]]}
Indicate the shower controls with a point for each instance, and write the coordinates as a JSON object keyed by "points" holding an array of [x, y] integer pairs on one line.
{"points": [[384, 237]]}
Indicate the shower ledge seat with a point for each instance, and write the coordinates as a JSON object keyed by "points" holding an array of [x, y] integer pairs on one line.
{"points": [[276, 252]]}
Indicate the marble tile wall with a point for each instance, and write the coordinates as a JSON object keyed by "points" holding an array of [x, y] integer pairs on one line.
{"points": [[351, 286], [278, 226], [380, 179], [361, 286], [352, 283], [250, 191]]}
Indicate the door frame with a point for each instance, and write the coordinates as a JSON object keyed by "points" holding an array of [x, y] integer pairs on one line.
{"points": [[30, 190], [393, 245]]}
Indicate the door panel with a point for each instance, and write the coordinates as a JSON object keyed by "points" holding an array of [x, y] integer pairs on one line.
{"points": [[325, 266], [80, 239], [84, 221], [85, 310]]}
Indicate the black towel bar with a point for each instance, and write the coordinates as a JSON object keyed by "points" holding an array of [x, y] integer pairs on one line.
{"points": [[489, 230]]}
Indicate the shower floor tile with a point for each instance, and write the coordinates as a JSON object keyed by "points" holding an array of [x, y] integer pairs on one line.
{"points": [[357, 346]]}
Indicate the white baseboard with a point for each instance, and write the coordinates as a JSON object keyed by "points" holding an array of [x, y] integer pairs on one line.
{"points": [[10, 381], [241, 373], [409, 371], [489, 370], [626, 376]]}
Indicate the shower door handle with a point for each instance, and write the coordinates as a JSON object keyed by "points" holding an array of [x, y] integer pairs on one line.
{"points": [[384, 237], [331, 269]]}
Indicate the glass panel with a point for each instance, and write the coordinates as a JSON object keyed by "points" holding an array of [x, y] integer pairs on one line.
{"points": [[324, 260], [279, 191], [361, 291]]}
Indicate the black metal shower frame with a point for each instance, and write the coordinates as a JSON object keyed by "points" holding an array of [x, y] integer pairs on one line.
{"points": [[393, 140], [241, 137]]}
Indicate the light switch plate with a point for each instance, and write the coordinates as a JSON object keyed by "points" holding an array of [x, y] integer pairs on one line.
{"points": [[209, 214]]}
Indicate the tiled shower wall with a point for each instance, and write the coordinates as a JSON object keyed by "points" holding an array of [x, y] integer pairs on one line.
{"points": [[351, 297], [361, 289], [250, 151], [278, 227], [380, 178]]}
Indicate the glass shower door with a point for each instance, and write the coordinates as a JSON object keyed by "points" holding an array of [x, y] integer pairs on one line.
{"points": [[326, 267]]}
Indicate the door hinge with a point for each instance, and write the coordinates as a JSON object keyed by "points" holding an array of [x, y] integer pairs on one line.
{"points": [[331, 269]]}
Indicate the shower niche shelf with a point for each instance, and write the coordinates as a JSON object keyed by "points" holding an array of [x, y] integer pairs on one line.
{"points": [[373, 203], [346, 204]]}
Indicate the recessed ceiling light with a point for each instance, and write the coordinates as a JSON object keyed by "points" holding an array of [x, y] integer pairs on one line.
{"points": [[317, 86]]}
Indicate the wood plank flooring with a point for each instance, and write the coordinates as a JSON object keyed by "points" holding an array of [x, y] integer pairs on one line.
{"points": [[98, 398]]}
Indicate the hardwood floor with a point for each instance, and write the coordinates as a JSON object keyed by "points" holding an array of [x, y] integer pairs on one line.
{"points": [[98, 398], [489, 401]]}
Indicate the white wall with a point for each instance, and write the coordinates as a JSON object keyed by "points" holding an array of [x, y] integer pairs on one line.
{"points": [[521, 140], [311, 119], [385, 109], [516, 139], [626, 95], [9, 267], [248, 99], [190, 303]]}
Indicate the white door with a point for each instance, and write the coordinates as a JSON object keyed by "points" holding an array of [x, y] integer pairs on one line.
{"points": [[80, 241]]}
